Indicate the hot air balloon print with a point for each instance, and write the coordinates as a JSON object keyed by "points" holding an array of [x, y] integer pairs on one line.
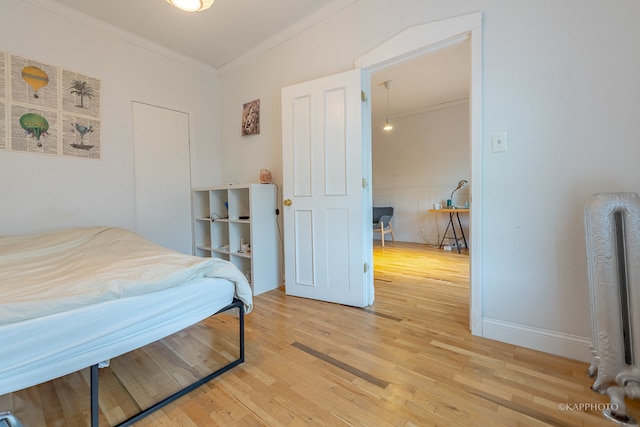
{"points": [[36, 78], [35, 125]]}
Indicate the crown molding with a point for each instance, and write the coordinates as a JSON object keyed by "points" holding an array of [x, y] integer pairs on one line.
{"points": [[287, 34], [429, 108], [100, 26]]}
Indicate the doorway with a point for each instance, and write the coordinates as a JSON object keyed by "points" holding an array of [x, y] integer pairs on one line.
{"points": [[350, 124], [419, 162], [420, 40]]}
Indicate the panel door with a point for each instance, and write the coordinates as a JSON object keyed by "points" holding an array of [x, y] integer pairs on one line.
{"points": [[324, 237]]}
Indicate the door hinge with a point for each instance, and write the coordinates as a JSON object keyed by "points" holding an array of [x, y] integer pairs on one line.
{"points": [[364, 183], [363, 96], [366, 267]]}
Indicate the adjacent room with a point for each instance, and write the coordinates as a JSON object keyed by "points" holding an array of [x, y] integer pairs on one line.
{"points": [[241, 145], [418, 162]]}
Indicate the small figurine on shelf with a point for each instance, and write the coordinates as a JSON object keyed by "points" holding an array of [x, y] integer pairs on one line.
{"points": [[265, 176]]}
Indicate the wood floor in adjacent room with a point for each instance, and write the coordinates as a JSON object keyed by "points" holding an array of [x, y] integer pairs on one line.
{"points": [[407, 360]]}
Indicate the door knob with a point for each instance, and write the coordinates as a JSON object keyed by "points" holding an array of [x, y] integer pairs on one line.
{"points": [[288, 202]]}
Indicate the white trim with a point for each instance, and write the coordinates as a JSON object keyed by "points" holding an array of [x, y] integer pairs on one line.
{"points": [[429, 108], [424, 38], [118, 33], [415, 41], [475, 216], [566, 345], [127, 37]]}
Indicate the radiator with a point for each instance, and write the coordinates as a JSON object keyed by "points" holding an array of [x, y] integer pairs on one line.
{"points": [[612, 232], [7, 419]]}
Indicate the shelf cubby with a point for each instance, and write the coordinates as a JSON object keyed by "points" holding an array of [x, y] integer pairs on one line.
{"points": [[226, 217]]}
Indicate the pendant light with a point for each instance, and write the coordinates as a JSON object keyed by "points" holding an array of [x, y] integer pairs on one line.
{"points": [[192, 5], [387, 125]]}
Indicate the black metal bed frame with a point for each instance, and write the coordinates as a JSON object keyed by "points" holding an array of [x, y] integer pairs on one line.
{"points": [[95, 410]]}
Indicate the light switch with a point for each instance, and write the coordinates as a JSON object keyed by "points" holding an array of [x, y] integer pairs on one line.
{"points": [[499, 142]]}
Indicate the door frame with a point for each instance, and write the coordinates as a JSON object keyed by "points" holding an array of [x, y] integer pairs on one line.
{"points": [[420, 40]]}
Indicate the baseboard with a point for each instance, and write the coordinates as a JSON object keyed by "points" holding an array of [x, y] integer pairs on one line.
{"points": [[561, 344]]}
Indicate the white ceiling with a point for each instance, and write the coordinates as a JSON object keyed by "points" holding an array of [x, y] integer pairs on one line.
{"points": [[215, 36], [429, 81], [232, 29]]}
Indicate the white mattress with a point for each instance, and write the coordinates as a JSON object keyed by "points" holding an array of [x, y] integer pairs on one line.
{"points": [[40, 349], [72, 298], [66, 269]]}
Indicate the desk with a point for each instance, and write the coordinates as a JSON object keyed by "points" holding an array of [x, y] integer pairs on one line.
{"points": [[452, 212]]}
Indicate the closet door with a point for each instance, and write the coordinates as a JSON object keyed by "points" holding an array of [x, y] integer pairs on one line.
{"points": [[163, 176]]}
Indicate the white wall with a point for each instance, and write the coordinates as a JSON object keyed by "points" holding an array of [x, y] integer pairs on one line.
{"points": [[419, 163], [559, 77], [40, 192]]}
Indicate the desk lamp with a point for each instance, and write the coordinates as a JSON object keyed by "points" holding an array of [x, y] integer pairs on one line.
{"points": [[461, 184]]}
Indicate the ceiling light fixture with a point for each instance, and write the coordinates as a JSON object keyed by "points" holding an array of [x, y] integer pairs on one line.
{"points": [[387, 125], [192, 5]]}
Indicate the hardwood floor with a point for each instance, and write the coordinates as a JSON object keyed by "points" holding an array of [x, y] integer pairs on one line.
{"points": [[407, 360]]}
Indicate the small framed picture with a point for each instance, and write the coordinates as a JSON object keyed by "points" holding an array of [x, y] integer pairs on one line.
{"points": [[251, 118]]}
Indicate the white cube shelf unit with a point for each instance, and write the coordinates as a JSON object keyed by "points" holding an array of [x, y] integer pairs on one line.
{"points": [[227, 217]]}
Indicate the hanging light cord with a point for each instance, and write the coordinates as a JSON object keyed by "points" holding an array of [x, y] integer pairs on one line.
{"points": [[387, 125]]}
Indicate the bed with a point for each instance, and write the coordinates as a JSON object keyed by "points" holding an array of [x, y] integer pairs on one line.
{"points": [[76, 298]]}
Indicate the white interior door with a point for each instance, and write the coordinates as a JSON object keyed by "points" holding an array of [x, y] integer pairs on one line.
{"points": [[324, 236], [163, 176]]}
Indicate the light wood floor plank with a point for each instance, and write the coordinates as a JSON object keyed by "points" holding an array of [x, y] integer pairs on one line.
{"points": [[407, 360]]}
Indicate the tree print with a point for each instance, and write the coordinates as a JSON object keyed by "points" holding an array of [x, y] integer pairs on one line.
{"points": [[81, 89]]}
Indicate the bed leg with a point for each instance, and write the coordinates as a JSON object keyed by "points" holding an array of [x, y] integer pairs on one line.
{"points": [[94, 396], [236, 304], [241, 322]]}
